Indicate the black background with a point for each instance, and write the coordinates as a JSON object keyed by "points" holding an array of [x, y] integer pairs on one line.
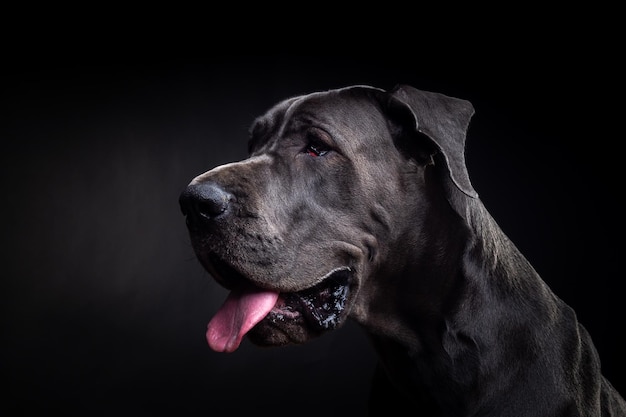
{"points": [[104, 306]]}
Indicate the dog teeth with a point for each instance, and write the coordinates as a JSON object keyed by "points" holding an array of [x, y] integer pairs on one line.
{"points": [[284, 312]]}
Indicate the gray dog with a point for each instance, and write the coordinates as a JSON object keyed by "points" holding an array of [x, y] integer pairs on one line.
{"points": [[357, 203]]}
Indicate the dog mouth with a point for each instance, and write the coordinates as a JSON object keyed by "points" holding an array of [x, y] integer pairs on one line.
{"points": [[266, 312], [321, 306]]}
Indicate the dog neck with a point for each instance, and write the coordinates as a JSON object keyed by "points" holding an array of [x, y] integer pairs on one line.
{"points": [[431, 320]]}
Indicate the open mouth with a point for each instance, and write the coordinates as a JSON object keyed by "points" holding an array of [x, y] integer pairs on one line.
{"points": [[320, 306], [316, 309]]}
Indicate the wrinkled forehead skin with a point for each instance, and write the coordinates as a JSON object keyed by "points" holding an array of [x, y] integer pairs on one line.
{"points": [[352, 117]]}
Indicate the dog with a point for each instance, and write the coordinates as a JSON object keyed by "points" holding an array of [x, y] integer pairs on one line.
{"points": [[356, 203]]}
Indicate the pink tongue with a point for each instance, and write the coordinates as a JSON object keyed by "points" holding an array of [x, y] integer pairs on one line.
{"points": [[241, 311]]}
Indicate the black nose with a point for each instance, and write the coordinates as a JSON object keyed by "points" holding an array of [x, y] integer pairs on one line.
{"points": [[203, 202]]}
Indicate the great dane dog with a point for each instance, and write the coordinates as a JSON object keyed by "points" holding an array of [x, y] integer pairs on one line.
{"points": [[356, 203]]}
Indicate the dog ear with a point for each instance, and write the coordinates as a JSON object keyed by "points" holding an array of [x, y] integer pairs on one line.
{"points": [[444, 120]]}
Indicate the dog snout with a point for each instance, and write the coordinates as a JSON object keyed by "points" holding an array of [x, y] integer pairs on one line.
{"points": [[203, 202]]}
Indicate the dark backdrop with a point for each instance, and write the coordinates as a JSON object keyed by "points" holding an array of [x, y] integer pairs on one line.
{"points": [[104, 306]]}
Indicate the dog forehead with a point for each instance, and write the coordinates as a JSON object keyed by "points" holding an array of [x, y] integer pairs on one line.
{"points": [[337, 111]]}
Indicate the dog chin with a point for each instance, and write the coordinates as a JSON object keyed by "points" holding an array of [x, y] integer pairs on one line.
{"points": [[271, 333], [303, 315]]}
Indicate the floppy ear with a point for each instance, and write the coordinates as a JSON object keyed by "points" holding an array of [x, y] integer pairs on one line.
{"points": [[444, 120]]}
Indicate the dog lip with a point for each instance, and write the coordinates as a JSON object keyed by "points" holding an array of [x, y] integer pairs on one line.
{"points": [[229, 277], [322, 306]]}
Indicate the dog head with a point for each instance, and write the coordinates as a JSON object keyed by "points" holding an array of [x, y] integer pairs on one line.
{"points": [[332, 181]]}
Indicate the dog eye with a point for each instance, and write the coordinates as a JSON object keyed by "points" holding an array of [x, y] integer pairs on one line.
{"points": [[313, 149]]}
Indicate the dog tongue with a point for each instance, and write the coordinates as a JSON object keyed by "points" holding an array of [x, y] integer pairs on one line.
{"points": [[241, 311]]}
